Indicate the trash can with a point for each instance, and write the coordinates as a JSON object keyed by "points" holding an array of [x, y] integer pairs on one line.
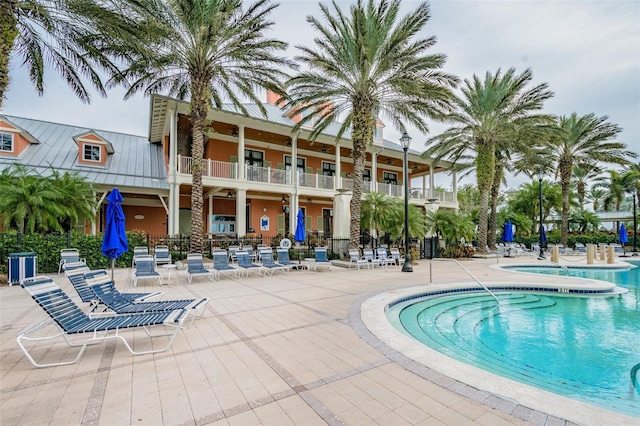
{"points": [[22, 265]]}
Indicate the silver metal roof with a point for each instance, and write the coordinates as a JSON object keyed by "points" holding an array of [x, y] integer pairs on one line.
{"points": [[135, 162]]}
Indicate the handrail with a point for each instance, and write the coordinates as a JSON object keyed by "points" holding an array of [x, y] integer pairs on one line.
{"points": [[474, 278], [634, 376]]}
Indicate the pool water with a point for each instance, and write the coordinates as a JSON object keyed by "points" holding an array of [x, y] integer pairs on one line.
{"points": [[580, 347]]}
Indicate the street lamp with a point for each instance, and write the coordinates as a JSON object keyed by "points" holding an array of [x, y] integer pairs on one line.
{"points": [[540, 176], [635, 225], [405, 140]]}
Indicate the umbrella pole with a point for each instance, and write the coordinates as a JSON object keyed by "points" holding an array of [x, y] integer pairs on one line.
{"points": [[113, 261]]}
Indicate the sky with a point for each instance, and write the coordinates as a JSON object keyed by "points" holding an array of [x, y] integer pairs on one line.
{"points": [[587, 51]]}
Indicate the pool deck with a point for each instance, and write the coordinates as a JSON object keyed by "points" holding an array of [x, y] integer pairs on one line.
{"points": [[287, 349]]}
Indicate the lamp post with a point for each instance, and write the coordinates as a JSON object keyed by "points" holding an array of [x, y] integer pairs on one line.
{"points": [[635, 226], [540, 176], [405, 140]]}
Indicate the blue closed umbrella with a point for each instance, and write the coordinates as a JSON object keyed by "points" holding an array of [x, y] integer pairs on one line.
{"points": [[300, 234], [114, 242], [623, 234], [543, 237], [507, 234]]}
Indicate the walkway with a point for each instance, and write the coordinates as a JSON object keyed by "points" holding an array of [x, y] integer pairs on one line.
{"points": [[289, 349]]}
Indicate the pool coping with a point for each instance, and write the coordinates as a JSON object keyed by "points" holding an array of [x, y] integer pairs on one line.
{"points": [[512, 397]]}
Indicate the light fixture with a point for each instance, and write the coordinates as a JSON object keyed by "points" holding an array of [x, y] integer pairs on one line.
{"points": [[388, 162], [264, 209], [229, 194], [284, 200], [234, 132], [323, 149], [415, 167], [288, 141], [405, 140]]}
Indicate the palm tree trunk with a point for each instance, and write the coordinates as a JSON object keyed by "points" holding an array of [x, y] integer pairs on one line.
{"points": [[485, 167], [565, 182], [493, 215], [363, 124], [9, 31], [199, 110]]}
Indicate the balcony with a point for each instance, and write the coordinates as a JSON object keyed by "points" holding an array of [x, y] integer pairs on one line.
{"points": [[268, 175]]}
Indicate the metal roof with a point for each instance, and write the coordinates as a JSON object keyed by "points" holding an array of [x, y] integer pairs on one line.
{"points": [[135, 162]]}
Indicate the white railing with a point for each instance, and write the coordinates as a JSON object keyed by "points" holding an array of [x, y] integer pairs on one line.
{"points": [[391, 189], [211, 168], [267, 175]]}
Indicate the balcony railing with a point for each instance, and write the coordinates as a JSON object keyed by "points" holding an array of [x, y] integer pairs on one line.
{"points": [[268, 175]]}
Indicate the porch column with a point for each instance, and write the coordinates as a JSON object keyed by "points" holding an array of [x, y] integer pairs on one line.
{"points": [[374, 175], [338, 181], [432, 193], [241, 212], [241, 154], [455, 187], [425, 195], [173, 219], [209, 212], [341, 214]]}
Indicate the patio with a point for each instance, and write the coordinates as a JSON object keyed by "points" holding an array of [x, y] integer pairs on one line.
{"points": [[282, 349]]}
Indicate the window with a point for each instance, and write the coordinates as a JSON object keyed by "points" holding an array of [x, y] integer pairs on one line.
{"points": [[6, 142], [328, 169], [223, 224], [91, 153], [254, 158], [377, 134], [390, 178], [301, 162], [366, 175]]}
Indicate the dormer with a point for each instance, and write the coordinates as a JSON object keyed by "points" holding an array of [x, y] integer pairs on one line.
{"points": [[93, 150], [13, 139], [378, 133]]}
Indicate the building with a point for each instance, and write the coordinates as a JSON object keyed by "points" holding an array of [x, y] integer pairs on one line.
{"points": [[251, 185]]}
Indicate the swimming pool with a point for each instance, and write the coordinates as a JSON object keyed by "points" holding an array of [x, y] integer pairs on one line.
{"points": [[580, 347]]}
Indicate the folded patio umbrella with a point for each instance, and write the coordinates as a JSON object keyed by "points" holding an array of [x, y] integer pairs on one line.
{"points": [[114, 242]]}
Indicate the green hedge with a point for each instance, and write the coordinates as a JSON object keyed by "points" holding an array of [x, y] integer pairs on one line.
{"points": [[593, 238], [48, 249]]}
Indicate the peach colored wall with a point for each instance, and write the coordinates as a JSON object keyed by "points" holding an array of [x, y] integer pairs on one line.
{"points": [[103, 150], [154, 222], [220, 150], [19, 142]]}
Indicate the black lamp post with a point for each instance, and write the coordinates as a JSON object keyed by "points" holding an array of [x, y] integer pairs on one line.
{"points": [[405, 140], [540, 176], [635, 225]]}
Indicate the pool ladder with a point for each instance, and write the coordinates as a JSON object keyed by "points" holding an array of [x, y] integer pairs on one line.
{"points": [[634, 376], [468, 273]]}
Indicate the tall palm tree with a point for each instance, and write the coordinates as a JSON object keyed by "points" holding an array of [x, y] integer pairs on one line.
{"points": [[376, 210], [596, 196], [204, 51], [65, 34], [582, 141], [369, 63], [581, 177], [499, 109]]}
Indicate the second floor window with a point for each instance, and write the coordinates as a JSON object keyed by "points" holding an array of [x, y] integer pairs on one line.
{"points": [[301, 163], [91, 153], [390, 178], [328, 169], [366, 175], [6, 142], [254, 158]]}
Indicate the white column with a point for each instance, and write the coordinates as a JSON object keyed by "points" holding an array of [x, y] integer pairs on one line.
{"points": [[241, 212], [241, 154], [424, 187], [341, 214], [173, 218], [374, 175], [338, 180], [210, 212], [455, 187], [431, 183]]}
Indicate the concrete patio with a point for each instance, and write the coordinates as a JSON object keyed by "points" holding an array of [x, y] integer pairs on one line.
{"points": [[287, 349]]}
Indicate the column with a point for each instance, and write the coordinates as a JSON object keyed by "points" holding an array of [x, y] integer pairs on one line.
{"points": [[341, 214], [374, 175], [209, 213], [173, 219], [338, 180], [241, 212], [241, 154], [432, 193]]}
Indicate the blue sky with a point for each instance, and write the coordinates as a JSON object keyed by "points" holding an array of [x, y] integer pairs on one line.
{"points": [[587, 51]]}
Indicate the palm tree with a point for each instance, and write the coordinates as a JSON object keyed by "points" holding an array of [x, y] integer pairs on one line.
{"points": [[76, 195], [581, 177], [368, 64], [582, 141], [596, 196], [376, 210], [65, 34], [206, 50], [490, 112], [631, 183]]}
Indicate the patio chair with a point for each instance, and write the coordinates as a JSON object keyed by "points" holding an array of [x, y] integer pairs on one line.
{"points": [[245, 264], [384, 257], [232, 253], [283, 258], [162, 255], [271, 265], [139, 251], [107, 295], [397, 257], [371, 258], [79, 281], [145, 268], [581, 248], [321, 258], [356, 260], [71, 321], [221, 264], [70, 255], [195, 267]]}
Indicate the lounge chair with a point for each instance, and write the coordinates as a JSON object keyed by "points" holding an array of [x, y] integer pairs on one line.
{"points": [[107, 295], [195, 267], [145, 268], [139, 251], [70, 255], [71, 321], [371, 258], [79, 282], [355, 259], [283, 258], [271, 265], [162, 255], [221, 264], [581, 248], [321, 258], [75, 273], [397, 257], [384, 257], [232, 253], [245, 264]]}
